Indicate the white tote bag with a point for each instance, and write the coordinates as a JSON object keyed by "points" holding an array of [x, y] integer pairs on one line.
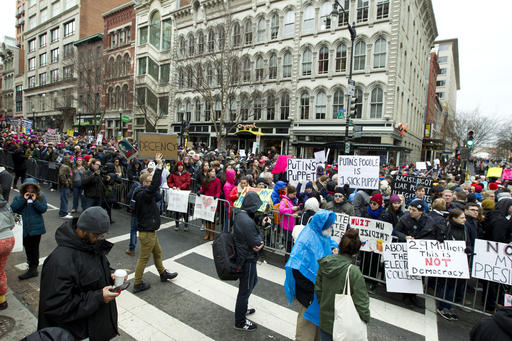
{"points": [[18, 234], [348, 326]]}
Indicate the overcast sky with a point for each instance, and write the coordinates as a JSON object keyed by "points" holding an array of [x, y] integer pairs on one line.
{"points": [[484, 31]]}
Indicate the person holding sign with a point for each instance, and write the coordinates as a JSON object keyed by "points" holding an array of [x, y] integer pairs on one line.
{"points": [[415, 224], [210, 187], [178, 180], [289, 209]]}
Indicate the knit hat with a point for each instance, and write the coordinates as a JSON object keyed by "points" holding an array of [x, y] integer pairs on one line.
{"points": [[179, 163], [339, 190], [311, 204], [87, 158], [493, 186], [152, 165], [94, 219], [377, 197], [309, 184], [488, 204], [418, 203], [394, 198]]}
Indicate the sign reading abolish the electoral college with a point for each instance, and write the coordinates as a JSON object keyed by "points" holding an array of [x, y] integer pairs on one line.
{"points": [[432, 258], [358, 171], [373, 233], [301, 170], [493, 261], [397, 274], [152, 143]]}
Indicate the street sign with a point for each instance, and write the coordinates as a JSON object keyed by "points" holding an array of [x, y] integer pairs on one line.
{"points": [[357, 135], [347, 147], [351, 87], [341, 113]]}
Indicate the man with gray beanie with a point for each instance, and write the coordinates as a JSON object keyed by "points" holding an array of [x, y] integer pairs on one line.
{"points": [[76, 280]]}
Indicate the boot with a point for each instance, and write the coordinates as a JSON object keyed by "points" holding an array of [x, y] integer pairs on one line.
{"points": [[31, 272], [212, 235], [206, 235]]}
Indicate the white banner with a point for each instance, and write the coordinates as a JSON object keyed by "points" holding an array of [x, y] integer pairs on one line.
{"points": [[340, 226], [397, 274], [358, 171], [492, 261], [431, 258], [178, 200], [301, 171], [205, 208], [373, 233]]}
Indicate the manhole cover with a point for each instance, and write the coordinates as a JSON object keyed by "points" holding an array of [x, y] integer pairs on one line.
{"points": [[6, 325]]}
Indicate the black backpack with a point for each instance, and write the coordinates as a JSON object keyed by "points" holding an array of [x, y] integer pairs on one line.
{"points": [[224, 256]]}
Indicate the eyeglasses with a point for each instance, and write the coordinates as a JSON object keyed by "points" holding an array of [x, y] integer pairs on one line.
{"points": [[374, 203], [338, 196]]}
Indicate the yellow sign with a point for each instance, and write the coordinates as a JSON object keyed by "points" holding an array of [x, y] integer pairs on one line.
{"points": [[152, 143], [494, 172], [71, 132]]}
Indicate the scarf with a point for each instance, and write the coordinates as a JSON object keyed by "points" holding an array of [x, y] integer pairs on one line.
{"points": [[375, 214]]}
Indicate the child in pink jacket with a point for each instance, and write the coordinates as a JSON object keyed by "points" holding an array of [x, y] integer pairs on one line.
{"points": [[288, 207]]}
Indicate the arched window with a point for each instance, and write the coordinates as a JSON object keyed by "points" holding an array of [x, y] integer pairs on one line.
{"points": [[287, 65], [235, 71], [217, 110], [246, 70], [180, 114], [338, 104], [271, 106], [359, 103], [182, 49], [379, 53], [197, 111], [306, 62], [126, 64], [219, 72], [207, 111], [308, 20], [236, 34], [261, 30], [289, 24], [221, 35], [188, 111], [110, 98], [199, 76], [181, 78], [125, 96], [257, 107], [341, 58], [304, 106], [323, 60], [376, 102], [119, 66], [259, 68], [117, 103], [154, 30], [285, 106], [190, 77], [112, 68], [272, 67], [325, 15], [360, 56], [321, 105], [200, 43], [248, 32], [209, 74], [244, 108], [274, 27], [211, 40], [233, 110], [191, 45]]}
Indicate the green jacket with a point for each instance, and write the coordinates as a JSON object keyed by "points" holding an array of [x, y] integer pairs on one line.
{"points": [[330, 281]]}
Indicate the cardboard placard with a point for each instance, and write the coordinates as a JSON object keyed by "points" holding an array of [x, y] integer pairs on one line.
{"points": [[396, 270], [263, 193], [152, 143], [301, 171], [99, 139], [421, 165], [340, 226], [494, 172], [359, 171], [281, 164], [205, 208], [492, 261], [373, 233], [127, 149], [507, 174], [320, 157], [432, 258], [178, 200], [406, 185]]}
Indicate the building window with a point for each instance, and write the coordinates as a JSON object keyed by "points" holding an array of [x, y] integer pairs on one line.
{"points": [[153, 70], [376, 103], [259, 69], [191, 45], [246, 70], [182, 48], [180, 113], [126, 64], [188, 111], [163, 107], [379, 53], [325, 15], [257, 107], [42, 59], [360, 56], [190, 77], [289, 24], [236, 34], [274, 27], [42, 79], [287, 65], [199, 76], [442, 71], [271, 107], [248, 32], [68, 50], [235, 71], [272, 67], [440, 94], [31, 45], [323, 60], [341, 58], [211, 40], [308, 20], [221, 38], [200, 43], [67, 72], [443, 59], [382, 9], [304, 106], [166, 37], [207, 111], [155, 30], [441, 83], [321, 105], [42, 40], [232, 110], [306, 62], [244, 108], [32, 63], [31, 81], [261, 30], [142, 66], [54, 35], [285, 106], [54, 75], [143, 35], [54, 55], [359, 103], [362, 10], [32, 22], [444, 47], [209, 75], [217, 110], [343, 16], [337, 103], [69, 28], [197, 111], [55, 8], [165, 72], [218, 70]]}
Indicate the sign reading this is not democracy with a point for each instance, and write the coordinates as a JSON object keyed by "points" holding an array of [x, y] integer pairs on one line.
{"points": [[359, 171], [301, 170], [493, 261], [406, 185], [152, 143]]}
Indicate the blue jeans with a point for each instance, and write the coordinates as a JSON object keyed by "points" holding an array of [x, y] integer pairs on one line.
{"points": [[325, 336], [454, 291], [248, 280], [89, 202], [64, 197], [133, 232], [77, 193]]}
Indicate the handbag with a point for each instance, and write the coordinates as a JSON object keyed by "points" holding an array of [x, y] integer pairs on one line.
{"points": [[347, 326], [17, 231]]}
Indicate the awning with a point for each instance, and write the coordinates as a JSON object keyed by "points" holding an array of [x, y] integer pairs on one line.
{"points": [[247, 133]]}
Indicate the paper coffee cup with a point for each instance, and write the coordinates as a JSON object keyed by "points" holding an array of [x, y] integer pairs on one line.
{"points": [[119, 276]]}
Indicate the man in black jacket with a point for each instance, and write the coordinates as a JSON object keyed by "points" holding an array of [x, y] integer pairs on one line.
{"points": [[248, 242], [415, 224], [92, 183], [76, 280], [148, 222]]}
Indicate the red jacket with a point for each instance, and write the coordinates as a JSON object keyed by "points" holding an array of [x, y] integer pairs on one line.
{"points": [[179, 181], [211, 188]]}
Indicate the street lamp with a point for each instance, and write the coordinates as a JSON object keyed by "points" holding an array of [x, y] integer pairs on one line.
{"points": [[351, 84]]}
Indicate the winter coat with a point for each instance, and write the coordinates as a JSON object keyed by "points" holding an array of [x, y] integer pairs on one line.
{"points": [[146, 208], [288, 221], [246, 232], [497, 327], [229, 185], [6, 179], [439, 219], [65, 178], [19, 160], [345, 207], [32, 214], [276, 199], [181, 181], [425, 203], [92, 184], [361, 202], [310, 247], [212, 188], [72, 282], [330, 281], [458, 204], [390, 217], [501, 226], [422, 228]]}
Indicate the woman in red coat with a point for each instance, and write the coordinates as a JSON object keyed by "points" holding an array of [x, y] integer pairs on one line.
{"points": [[210, 187], [179, 180]]}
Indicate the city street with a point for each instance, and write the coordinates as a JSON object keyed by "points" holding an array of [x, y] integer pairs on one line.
{"points": [[198, 306]]}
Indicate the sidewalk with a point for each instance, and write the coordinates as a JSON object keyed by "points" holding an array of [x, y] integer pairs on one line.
{"points": [[26, 322]]}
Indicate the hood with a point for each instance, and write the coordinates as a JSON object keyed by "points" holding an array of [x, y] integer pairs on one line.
{"points": [[311, 205], [322, 220], [332, 267], [30, 181], [279, 185], [230, 176], [67, 237], [251, 202], [503, 318], [502, 206]]}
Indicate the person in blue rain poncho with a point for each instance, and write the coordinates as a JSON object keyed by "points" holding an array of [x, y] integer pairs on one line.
{"points": [[313, 243]]}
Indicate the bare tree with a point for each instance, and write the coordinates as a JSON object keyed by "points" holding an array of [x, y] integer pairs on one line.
{"points": [[483, 127]]}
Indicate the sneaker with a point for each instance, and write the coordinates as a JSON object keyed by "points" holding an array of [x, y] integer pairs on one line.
{"points": [[248, 326], [166, 275], [52, 190], [130, 252], [4, 305], [202, 228], [445, 313], [176, 228], [141, 287], [453, 316], [250, 311], [73, 211], [185, 228], [67, 216]]}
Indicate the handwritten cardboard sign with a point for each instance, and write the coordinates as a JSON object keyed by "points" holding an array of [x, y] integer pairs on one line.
{"points": [[406, 185], [205, 208], [301, 170], [263, 193], [340, 226], [373, 233], [492, 261], [397, 274], [178, 200], [358, 171], [152, 143], [507, 174]]}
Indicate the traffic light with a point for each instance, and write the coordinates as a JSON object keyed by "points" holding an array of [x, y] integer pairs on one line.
{"points": [[469, 141], [353, 105]]}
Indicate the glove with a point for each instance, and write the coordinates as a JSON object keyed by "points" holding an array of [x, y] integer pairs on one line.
{"points": [[469, 251], [198, 194], [214, 197]]}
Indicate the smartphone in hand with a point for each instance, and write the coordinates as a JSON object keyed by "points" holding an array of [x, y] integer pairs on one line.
{"points": [[120, 288]]}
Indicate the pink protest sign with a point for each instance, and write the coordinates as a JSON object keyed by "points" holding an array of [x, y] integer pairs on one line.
{"points": [[507, 174], [281, 164]]}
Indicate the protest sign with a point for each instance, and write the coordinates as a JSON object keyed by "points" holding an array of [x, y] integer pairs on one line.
{"points": [[127, 149], [421, 165], [340, 226], [397, 274], [152, 143], [178, 200], [492, 261], [51, 131], [281, 164], [406, 185], [263, 193], [508, 300], [254, 147], [301, 171], [358, 171], [373, 233], [52, 138], [99, 139], [507, 174], [494, 172], [242, 152], [205, 208], [70, 132], [320, 156], [432, 258]]}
